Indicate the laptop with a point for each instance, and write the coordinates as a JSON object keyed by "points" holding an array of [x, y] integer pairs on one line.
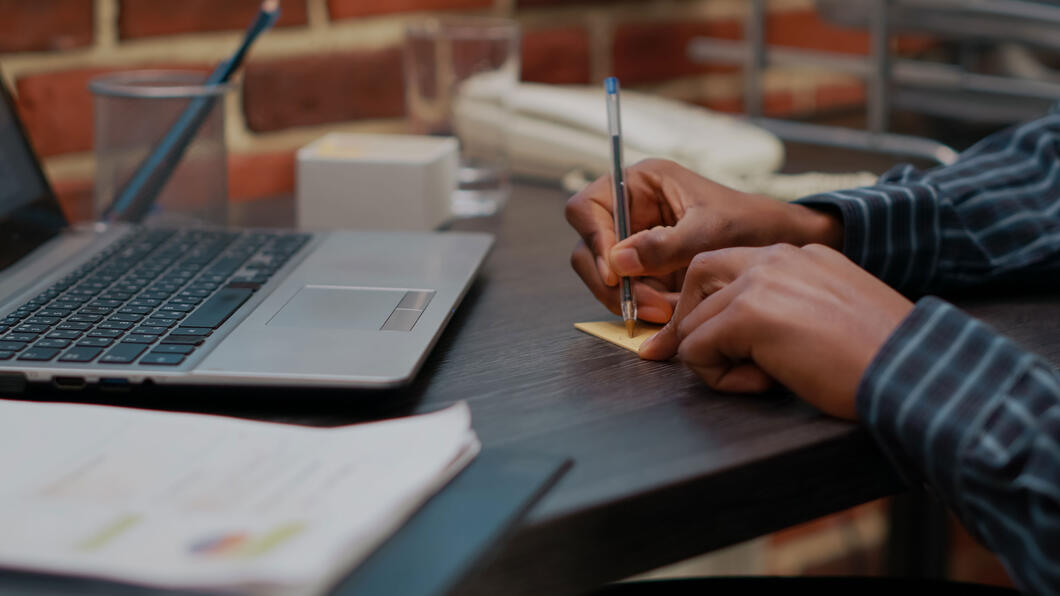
{"points": [[118, 305]]}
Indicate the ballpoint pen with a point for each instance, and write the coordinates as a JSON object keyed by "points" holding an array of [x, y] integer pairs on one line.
{"points": [[620, 196]]}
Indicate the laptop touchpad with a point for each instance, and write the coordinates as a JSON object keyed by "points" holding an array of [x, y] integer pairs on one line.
{"points": [[338, 307]]}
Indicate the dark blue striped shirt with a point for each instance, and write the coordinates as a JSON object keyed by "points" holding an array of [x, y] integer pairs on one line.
{"points": [[951, 401]]}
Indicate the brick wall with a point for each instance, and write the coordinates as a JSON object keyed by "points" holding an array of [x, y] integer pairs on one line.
{"points": [[335, 64]]}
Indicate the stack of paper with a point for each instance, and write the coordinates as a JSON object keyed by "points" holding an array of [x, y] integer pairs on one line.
{"points": [[193, 501]]}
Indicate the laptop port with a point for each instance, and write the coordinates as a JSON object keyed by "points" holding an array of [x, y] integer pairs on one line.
{"points": [[114, 384], [69, 383]]}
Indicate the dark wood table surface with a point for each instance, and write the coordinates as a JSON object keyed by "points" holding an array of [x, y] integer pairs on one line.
{"points": [[664, 467]]}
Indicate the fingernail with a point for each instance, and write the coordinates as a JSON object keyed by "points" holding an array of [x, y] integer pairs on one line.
{"points": [[605, 271], [648, 342], [626, 262]]}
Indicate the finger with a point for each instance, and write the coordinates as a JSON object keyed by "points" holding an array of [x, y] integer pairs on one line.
{"points": [[653, 305], [718, 351], [708, 308], [589, 212], [708, 273], [660, 250], [581, 261], [663, 289]]}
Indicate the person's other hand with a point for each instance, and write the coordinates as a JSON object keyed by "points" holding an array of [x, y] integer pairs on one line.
{"points": [[807, 318], [674, 215]]}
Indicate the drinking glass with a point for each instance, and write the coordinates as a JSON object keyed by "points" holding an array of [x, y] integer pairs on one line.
{"points": [[459, 72]]}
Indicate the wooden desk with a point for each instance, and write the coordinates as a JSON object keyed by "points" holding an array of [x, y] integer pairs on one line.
{"points": [[664, 467]]}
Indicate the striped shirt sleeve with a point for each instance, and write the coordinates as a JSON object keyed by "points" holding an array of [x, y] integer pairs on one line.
{"points": [[977, 418], [993, 216]]}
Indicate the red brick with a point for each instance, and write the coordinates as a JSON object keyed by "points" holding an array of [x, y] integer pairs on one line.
{"points": [[317, 89], [557, 56], [147, 18], [649, 52], [783, 103], [260, 175], [56, 108], [839, 96], [45, 25], [345, 9], [532, 3], [75, 198]]}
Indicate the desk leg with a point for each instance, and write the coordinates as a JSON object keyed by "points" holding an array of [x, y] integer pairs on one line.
{"points": [[917, 545]]}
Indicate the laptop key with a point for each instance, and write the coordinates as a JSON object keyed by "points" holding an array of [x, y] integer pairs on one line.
{"points": [[135, 310], [140, 339], [6, 354], [123, 353], [11, 346], [160, 322], [86, 318], [200, 331], [112, 324], [52, 343], [95, 342], [31, 328], [148, 330], [162, 358], [39, 354], [54, 312], [176, 307], [21, 337], [188, 340], [64, 334], [39, 320], [218, 307], [80, 354], [111, 333], [126, 317], [173, 349]]}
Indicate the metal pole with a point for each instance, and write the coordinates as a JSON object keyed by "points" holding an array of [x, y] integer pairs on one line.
{"points": [[880, 77], [755, 64]]}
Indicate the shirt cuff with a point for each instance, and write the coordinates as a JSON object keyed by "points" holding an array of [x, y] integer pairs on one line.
{"points": [[926, 393], [891, 229]]}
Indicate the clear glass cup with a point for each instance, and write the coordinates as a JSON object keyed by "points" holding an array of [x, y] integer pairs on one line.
{"points": [[133, 111], [459, 72]]}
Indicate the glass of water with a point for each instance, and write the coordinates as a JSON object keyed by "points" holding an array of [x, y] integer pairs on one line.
{"points": [[459, 72]]}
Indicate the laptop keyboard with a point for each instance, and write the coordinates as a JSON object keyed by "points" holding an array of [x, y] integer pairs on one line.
{"points": [[151, 298]]}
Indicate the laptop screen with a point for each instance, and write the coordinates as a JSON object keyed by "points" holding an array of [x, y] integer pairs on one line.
{"points": [[29, 213]]}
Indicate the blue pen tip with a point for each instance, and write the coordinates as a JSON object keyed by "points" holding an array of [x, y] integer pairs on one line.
{"points": [[611, 84]]}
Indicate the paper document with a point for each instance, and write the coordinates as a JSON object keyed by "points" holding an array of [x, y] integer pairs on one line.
{"points": [[195, 501]]}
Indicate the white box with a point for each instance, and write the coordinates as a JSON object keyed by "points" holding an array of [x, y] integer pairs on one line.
{"points": [[376, 181]]}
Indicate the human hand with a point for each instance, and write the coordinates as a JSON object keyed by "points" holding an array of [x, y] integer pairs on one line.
{"points": [[808, 318], [674, 215]]}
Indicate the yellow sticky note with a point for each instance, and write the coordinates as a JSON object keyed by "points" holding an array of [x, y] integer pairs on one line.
{"points": [[615, 332]]}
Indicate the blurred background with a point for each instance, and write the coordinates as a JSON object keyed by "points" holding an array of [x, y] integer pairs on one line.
{"points": [[336, 65]]}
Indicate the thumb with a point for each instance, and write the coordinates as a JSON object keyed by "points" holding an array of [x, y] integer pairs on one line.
{"points": [[658, 251]]}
